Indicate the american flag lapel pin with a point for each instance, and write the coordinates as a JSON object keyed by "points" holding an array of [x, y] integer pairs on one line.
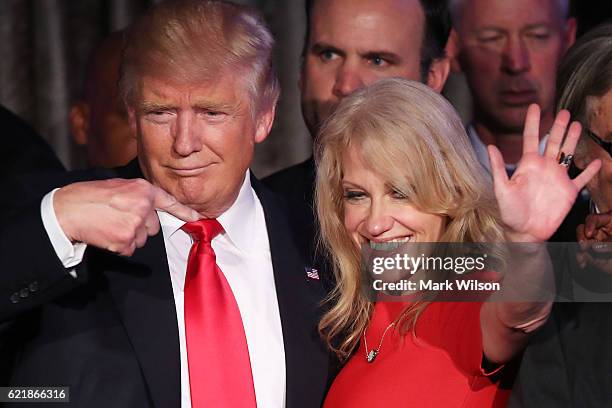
{"points": [[311, 273]]}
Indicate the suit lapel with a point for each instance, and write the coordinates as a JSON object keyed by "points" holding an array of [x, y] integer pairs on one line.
{"points": [[142, 291], [298, 302]]}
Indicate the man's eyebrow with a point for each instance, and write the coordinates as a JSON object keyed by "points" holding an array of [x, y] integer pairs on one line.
{"points": [[205, 105], [321, 46], [531, 26], [491, 28], [536, 26], [149, 106]]}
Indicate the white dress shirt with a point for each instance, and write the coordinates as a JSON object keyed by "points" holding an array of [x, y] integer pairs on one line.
{"points": [[243, 255], [483, 155]]}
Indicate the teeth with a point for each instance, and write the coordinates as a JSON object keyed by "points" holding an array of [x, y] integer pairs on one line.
{"points": [[389, 245]]}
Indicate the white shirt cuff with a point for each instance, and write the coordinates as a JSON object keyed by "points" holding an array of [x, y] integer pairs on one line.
{"points": [[69, 254]]}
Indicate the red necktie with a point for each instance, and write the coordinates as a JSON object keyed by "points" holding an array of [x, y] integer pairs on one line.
{"points": [[219, 366]]}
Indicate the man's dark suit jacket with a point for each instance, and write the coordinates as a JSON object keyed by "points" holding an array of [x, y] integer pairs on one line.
{"points": [[112, 336], [23, 151], [567, 362], [296, 184], [297, 181]]}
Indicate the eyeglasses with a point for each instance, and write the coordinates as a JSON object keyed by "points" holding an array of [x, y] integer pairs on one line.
{"points": [[607, 146]]}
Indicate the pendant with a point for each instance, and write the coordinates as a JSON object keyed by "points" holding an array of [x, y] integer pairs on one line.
{"points": [[372, 355]]}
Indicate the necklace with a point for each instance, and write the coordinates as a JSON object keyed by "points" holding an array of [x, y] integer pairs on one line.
{"points": [[371, 355]]}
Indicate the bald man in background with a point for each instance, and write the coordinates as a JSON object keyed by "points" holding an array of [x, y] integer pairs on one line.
{"points": [[98, 120], [509, 52]]}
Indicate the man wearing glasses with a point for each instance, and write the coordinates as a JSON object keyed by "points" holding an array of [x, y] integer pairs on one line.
{"points": [[598, 147], [585, 88]]}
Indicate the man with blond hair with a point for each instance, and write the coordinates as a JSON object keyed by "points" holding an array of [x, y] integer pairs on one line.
{"points": [[220, 310]]}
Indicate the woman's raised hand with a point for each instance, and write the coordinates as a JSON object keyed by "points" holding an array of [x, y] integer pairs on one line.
{"points": [[534, 202]]}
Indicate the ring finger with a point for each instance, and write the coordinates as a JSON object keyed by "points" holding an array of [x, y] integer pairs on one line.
{"points": [[555, 136], [571, 140]]}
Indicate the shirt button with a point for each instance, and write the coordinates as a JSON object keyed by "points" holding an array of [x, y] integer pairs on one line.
{"points": [[24, 293], [15, 298], [33, 286]]}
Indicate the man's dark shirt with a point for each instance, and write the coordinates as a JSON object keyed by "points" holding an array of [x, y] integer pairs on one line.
{"points": [[567, 362]]}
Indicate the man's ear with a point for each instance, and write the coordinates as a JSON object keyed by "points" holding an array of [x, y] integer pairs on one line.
{"points": [[438, 73], [132, 120], [453, 49], [570, 32], [264, 124], [79, 123]]}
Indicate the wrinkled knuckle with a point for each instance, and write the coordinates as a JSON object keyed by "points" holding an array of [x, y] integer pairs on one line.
{"points": [[136, 222], [153, 229], [142, 240], [128, 251], [125, 236], [110, 183], [142, 206], [142, 183], [140, 187]]}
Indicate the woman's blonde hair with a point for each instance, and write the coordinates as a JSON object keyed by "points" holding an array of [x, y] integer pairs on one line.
{"points": [[413, 138]]}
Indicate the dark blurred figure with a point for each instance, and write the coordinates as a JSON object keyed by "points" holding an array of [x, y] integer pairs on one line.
{"points": [[98, 121], [509, 52], [567, 363], [24, 150]]}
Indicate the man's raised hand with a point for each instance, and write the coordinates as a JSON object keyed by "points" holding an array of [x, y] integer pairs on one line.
{"points": [[117, 215]]}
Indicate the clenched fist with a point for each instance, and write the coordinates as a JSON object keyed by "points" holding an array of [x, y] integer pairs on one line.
{"points": [[117, 215]]}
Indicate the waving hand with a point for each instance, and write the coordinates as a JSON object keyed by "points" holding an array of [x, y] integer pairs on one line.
{"points": [[534, 202]]}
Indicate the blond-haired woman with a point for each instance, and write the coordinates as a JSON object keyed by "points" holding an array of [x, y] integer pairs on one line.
{"points": [[394, 164]]}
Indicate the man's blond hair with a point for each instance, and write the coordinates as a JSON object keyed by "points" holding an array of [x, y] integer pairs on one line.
{"points": [[191, 41]]}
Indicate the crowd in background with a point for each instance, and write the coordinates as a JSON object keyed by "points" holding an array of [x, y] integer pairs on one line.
{"points": [[371, 77]]}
